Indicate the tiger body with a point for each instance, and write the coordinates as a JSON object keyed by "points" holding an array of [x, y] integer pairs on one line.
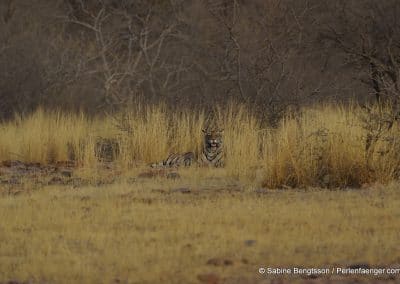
{"points": [[176, 160], [211, 155]]}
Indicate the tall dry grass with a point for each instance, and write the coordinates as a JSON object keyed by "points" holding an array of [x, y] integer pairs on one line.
{"points": [[328, 146]]}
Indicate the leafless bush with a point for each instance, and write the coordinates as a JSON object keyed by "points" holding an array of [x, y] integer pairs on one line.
{"points": [[271, 55], [368, 33]]}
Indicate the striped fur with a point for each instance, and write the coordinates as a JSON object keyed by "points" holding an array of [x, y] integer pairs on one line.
{"points": [[212, 154], [176, 160]]}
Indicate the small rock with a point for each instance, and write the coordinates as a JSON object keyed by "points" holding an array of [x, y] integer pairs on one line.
{"points": [[159, 191], [33, 165], [15, 282], [131, 180], [209, 278], [359, 265], [148, 174], [228, 262], [67, 164], [219, 262], [85, 198], [14, 180], [261, 191], [182, 190], [55, 180], [311, 276], [12, 163], [277, 281], [173, 175], [250, 243], [66, 173], [214, 261]]}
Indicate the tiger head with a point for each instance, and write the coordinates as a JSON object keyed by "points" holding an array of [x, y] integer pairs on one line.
{"points": [[212, 140]]}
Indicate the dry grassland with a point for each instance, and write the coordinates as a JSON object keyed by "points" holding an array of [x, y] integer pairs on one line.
{"points": [[121, 226], [150, 232]]}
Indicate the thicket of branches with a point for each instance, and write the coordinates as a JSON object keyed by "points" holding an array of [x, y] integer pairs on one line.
{"points": [[270, 54]]}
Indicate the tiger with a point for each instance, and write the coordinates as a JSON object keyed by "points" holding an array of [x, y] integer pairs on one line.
{"points": [[211, 155]]}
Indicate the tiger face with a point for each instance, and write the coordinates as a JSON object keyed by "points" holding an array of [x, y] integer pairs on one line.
{"points": [[212, 140]]}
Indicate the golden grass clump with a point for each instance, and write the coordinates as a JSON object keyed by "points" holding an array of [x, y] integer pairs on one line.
{"points": [[152, 133], [42, 137], [329, 145], [243, 137]]}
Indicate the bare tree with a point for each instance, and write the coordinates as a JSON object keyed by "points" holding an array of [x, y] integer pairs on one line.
{"points": [[264, 53], [129, 50], [369, 33]]}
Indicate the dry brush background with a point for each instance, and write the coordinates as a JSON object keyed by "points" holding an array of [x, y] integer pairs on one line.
{"points": [[271, 55]]}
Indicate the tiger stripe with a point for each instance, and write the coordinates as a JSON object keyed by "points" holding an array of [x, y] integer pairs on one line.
{"points": [[211, 155]]}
